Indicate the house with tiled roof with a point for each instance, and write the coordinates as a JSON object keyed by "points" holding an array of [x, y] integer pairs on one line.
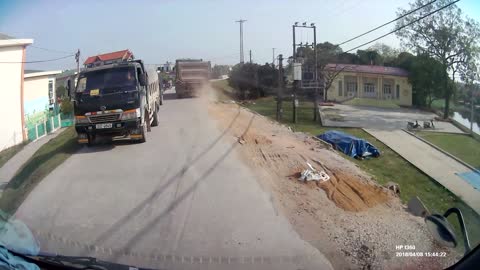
{"points": [[108, 58], [370, 81]]}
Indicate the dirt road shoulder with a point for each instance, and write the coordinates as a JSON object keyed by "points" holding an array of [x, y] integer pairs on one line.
{"points": [[350, 218]]}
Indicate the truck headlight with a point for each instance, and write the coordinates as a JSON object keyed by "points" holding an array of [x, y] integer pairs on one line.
{"points": [[132, 114], [80, 119]]}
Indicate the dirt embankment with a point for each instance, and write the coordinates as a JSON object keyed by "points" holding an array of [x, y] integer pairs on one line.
{"points": [[352, 220]]}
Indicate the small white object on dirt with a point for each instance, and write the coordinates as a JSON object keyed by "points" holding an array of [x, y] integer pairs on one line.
{"points": [[313, 175], [393, 187]]}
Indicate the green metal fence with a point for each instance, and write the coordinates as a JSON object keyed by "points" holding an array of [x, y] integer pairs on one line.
{"points": [[48, 125]]}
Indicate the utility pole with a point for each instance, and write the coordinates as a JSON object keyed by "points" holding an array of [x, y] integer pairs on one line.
{"points": [[317, 86], [280, 87], [472, 112], [250, 56], [77, 59], [273, 57], [314, 84], [242, 60], [295, 82]]}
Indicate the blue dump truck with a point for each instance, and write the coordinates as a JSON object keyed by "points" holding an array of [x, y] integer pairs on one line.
{"points": [[117, 101]]}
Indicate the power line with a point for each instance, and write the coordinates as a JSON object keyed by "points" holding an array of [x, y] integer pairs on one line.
{"points": [[49, 50], [39, 61], [378, 27], [403, 26], [336, 14]]}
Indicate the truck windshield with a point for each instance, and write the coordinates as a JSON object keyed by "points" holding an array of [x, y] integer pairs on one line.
{"points": [[108, 78]]}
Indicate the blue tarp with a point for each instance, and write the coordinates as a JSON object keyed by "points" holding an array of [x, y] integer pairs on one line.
{"points": [[473, 178], [348, 144]]}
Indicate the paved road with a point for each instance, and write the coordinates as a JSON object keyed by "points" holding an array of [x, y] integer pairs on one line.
{"points": [[342, 115], [434, 163], [183, 200]]}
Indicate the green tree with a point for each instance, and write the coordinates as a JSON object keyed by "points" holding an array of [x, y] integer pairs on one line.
{"points": [[66, 105], [370, 57], [253, 81], [61, 91], [426, 77], [387, 53], [445, 35], [404, 60], [220, 70]]}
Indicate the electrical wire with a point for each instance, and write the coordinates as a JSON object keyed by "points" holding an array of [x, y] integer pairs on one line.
{"points": [[39, 61], [50, 50], [387, 23], [403, 26]]}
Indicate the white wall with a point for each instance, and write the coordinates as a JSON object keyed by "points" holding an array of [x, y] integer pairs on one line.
{"points": [[35, 87], [10, 101]]}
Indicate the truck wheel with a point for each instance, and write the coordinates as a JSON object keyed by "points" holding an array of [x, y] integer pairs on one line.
{"points": [[155, 117], [91, 140], [147, 121], [144, 133]]}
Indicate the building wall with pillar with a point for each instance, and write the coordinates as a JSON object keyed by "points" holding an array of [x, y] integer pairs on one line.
{"points": [[12, 56], [382, 83]]}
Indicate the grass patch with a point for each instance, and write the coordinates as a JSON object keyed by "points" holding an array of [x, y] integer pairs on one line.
{"points": [[372, 103], [389, 167], [460, 145], [45, 160], [8, 153], [226, 92], [439, 104]]}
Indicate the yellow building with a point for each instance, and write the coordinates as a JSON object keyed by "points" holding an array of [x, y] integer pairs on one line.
{"points": [[369, 81]]}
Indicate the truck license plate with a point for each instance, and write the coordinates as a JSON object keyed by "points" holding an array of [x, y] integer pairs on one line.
{"points": [[105, 125]]}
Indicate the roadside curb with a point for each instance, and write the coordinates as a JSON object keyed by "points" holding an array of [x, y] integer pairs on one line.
{"points": [[443, 151]]}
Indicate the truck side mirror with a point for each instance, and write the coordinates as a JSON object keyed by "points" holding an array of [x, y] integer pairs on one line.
{"points": [[68, 87], [142, 79], [443, 231]]}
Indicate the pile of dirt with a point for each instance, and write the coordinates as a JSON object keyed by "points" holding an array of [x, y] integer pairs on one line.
{"points": [[257, 139], [348, 191], [352, 194]]}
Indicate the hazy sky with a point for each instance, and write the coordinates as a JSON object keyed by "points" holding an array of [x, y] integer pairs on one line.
{"points": [[157, 31]]}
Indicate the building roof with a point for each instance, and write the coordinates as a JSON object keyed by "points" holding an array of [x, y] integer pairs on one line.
{"points": [[42, 73], [8, 41], [27, 71], [3, 36], [124, 54], [371, 69]]}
